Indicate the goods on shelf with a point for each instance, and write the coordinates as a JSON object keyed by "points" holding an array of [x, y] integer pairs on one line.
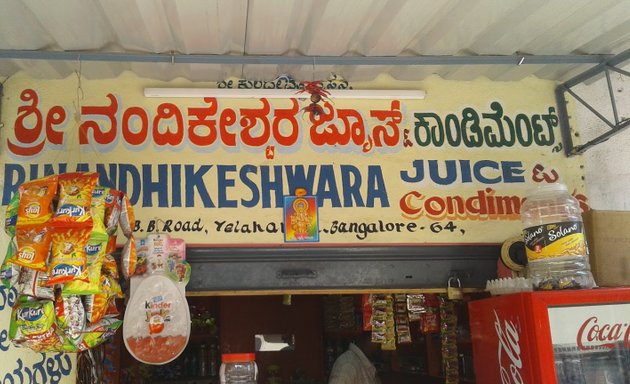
{"points": [[59, 261]]}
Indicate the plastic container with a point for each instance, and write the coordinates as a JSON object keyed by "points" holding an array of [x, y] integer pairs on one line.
{"points": [[555, 244], [238, 368]]}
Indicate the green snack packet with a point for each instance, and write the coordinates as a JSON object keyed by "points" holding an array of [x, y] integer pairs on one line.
{"points": [[12, 215]]}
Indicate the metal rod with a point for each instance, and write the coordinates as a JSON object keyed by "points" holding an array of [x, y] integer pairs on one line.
{"points": [[300, 60], [600, 139], [565, 128], [612, 61], [590, 108], [618, 70], [613, 103]]}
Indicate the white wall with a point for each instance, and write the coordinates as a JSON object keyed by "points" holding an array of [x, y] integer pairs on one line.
{"points": [[607, 165]]}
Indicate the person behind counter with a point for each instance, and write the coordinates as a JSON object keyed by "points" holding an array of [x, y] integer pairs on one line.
{"points": [[353, 367]]}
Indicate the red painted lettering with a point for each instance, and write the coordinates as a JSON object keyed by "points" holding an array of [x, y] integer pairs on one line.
{"points": [[286, 115], [165, 136], [27, 133], [388, 134], [100, 136], [135, 137], [249, 121], [200, 118]]}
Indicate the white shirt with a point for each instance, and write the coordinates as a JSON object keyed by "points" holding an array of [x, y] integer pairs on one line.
{"points": [[353, 367]]}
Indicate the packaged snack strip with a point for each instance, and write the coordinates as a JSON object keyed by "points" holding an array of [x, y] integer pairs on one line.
{"points": [[70, 317], [9, 272], [111, 286], [35, 205], [112, 308], [97, 208], [127, 218], [111, 245], [33, 246], [110, 267], [68, 259], [99, 333], [75, 197], [129, 258], [11, 215], [90, 287], [33, 283], [96, 306], [112, 211]]}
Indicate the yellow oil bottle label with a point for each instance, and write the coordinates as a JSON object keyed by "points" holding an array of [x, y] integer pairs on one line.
{"points": [[555, 240]]}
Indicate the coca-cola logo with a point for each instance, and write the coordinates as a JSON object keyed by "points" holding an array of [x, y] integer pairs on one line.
{"points": [[593, 335], [509, 353]]}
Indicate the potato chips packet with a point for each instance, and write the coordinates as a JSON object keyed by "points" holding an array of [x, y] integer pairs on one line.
{"points": [[75, 197], [33, 246], [68, 258], [35, 205]]}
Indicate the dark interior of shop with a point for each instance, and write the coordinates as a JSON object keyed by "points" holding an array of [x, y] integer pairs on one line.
{"points": [[319, 325]]}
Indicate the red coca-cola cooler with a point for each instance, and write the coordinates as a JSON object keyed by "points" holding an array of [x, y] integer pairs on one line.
{"points": [[572, 336]]}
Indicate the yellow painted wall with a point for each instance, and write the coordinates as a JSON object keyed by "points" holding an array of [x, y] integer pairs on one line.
{"points": [[215, 194]]}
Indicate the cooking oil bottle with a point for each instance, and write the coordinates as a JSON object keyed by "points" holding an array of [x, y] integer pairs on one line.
{"points": [[555, 244]]}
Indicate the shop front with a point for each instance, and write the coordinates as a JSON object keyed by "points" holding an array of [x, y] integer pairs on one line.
{"points": [[294, 216]]}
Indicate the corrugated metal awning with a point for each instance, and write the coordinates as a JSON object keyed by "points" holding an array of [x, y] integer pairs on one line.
{"points": [[205, 40]]}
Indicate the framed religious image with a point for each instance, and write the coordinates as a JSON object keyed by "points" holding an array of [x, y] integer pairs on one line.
{"points": [[301, 223]]}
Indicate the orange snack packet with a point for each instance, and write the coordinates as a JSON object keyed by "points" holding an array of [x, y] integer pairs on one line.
{"points": [[33, 246], [75, 197], [36, 198], [68, 258], [127, 217]]}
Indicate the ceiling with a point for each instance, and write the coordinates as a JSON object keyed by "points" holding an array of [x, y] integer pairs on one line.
{"points": [[211, 40]]}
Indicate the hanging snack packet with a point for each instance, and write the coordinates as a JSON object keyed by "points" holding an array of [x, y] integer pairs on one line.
{"points": [[70, 316], [100, 332], [129, 258], [112, 210], [33, 283], [75, 197], [33, 246], [68, 260], [90, 287], [127, 218], [35, 322], [35, 206], [111, 245], [97, 209], [96, 306], [9, 272], [110, 267], [11, 215]]}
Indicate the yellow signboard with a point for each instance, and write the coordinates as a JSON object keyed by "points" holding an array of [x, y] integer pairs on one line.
{"points": [[452, 168]]}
